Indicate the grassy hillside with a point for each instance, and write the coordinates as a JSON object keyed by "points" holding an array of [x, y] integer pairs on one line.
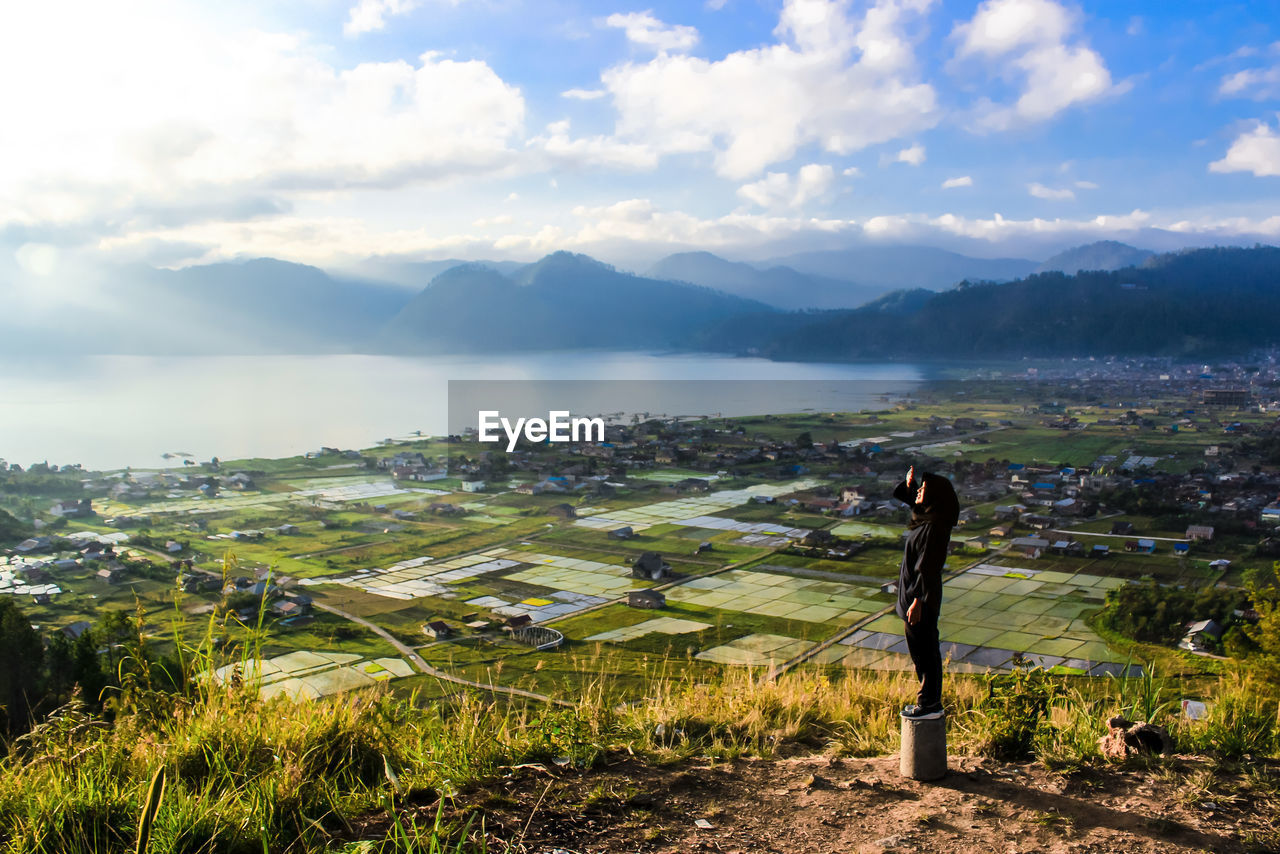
{"points": [[375, 772]]}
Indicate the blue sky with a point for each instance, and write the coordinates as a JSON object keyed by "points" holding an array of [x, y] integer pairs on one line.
{"points": [[329, 132]]}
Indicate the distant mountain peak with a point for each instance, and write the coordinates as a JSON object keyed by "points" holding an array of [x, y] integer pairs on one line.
{"points": [[563, 257], [560, 263], [467, 271], [695, 254], [776, 285], [1099, 255], [563, 301]]}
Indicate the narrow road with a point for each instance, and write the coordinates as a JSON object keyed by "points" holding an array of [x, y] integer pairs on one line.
{"points": [[418, 662], [1119, 536], [937, 440]]}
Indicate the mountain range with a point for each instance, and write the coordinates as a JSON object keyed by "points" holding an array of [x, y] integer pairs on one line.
{"points": [[853, 277], [779, 286], [1102, 298], [1191, 303], [564, 301]]}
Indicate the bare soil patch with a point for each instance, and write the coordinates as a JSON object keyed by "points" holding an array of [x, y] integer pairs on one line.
{"points": [[820, 804]]}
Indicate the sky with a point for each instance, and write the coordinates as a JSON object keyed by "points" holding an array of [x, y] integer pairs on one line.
{"points": [[333, 131]]}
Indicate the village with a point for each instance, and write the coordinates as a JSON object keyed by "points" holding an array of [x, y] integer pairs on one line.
{"points": [[679, 546]]}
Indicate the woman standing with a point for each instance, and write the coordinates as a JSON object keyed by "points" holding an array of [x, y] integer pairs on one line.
{"points": [[934, 512]]}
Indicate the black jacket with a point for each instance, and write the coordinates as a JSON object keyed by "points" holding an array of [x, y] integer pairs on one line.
{"points": [[920, 576]]}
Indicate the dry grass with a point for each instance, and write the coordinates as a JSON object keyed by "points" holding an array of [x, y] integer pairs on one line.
{"points": [[246, 774]]}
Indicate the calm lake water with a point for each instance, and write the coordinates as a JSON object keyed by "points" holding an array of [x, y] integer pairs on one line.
{"points": [[115, 411]]}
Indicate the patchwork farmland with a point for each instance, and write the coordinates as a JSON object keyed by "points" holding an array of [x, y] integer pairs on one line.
{"points": [[341, 571]]}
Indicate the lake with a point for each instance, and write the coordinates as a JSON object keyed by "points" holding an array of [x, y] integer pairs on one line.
{"points": [[114, 411]]}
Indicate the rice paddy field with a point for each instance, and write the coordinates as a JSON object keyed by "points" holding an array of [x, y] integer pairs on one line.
{"points": [[337, 490], [990, 613], [742, 604], [310, 675], [644, 516], [370, 545], [773, 594]]}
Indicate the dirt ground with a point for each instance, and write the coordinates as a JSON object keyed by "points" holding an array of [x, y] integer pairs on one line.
{"points": [[819, 804]]}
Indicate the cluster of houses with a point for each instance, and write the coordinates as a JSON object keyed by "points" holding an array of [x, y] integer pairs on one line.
{"points": [[279, 594], [412, 465], [331, 452], [573, 483], [144, 486]]}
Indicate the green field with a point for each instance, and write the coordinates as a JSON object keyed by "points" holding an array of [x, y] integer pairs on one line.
{"points": [[751, 596]]}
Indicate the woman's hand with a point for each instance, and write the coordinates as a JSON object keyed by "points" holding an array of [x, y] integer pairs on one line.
{"points": [[913, 613], [911, 475]]}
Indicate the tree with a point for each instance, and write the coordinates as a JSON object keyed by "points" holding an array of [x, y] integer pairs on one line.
{"points": [[21, 661], [1265, 592], [11, 528]]}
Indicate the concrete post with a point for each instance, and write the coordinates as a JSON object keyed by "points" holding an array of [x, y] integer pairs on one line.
{"points": [[924, 748]]}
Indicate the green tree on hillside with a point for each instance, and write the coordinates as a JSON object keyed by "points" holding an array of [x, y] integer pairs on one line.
{"points": [[21, 661], [1264, 589], [12, 529]]}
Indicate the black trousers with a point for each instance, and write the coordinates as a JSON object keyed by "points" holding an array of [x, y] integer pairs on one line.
{"points": [[926, 654]]}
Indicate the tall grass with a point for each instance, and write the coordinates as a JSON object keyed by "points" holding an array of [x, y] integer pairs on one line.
{"points": [[246, 774]]}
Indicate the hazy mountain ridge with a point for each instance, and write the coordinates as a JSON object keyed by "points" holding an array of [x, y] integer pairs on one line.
{"points": [[1192, 302], [781, 287], [283, 303], [1102, 255], [892, 268], [418, 274], [257, 306], [1184, 302], [563, 301]]}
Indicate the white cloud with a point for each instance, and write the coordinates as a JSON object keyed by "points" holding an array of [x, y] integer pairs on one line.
{"points": [[1243, 52], [1260, 84], [235, 120], [1256, 151], [851, 172], [1086, 185], [639, 222], [490, 221], [583, 94], [913, 155], [1002, 26], [1028, 40], [962, 181], [831, 81], [597, 150], [308, 240], [1040, 191], [647, 31], [370, 15], [639, 227], [716, 5], [779, 190]]}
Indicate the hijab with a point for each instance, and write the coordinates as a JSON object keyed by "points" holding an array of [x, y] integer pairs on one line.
{"points": [[940, 506]]}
